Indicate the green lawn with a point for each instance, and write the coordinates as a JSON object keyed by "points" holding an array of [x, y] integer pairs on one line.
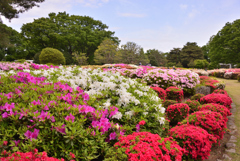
{"points": [[233, 89]]}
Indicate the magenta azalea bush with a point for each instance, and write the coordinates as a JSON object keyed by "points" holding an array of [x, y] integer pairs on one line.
{"points": [[196, 141], [174, 93], [177, 112], [221, 99]]}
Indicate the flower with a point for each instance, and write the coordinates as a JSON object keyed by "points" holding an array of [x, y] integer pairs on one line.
{"points": [[142, 122], [112, 136]]}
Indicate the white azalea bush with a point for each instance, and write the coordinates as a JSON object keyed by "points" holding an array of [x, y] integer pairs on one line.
{"points": [[135, 101]]}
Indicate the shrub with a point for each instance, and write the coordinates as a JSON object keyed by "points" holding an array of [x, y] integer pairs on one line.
{"points": [[221, 99], [144, 146], [161, 92], [51, 55], [193, 105], [174, 93], [216, 108], [197, 96], [177, 112], [196, 141], [167, 103], [212, 122], [238, 77], [220, 91], [20, 60], [36, 58]]}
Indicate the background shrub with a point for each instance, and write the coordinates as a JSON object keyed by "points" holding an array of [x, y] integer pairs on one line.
{"points": [[174, 93], [51, 55], [197, 96], [193, 105], [167, 103]]}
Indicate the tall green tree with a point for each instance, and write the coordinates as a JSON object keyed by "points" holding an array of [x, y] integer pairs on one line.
{"points": [[156, 57], [11, 44], [190, 51], [225, 45], [173, 57], [11, 8], [142, 57], [106, 52], [205, 50], [80, 34]]}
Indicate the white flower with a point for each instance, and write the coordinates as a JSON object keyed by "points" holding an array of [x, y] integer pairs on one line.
{"points": [[129, 113], [145, 113], [107, 103], [161, 120], [118, 115]]}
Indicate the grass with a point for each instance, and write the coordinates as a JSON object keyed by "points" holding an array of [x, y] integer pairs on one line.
{"points": [[233, 89]]}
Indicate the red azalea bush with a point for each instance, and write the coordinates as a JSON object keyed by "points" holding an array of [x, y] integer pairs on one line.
{"points": [[29, 156], [196, 141], [177, 112], [212, 122], [167, 103], [220, 91], [161, 92], [142, 146], [197, 96], [216, 108], [193, 105], [174, 93], [221, 99]]}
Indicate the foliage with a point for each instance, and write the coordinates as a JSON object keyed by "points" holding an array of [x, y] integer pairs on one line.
{"points": [[174, 57], [11, 8], [224, 46], [212, 122], [106, 52], [50, 55], [191, 64], [201, 63], [197, 96], [221, 99], [193, 105], [161, 92], [156, 57], [167, 103], [145, 146], [174, 93], [36, 58], [190, 51], [179, 64], [196, 141], [177, 112], [81, 58], [238, 77], [67, 33]]}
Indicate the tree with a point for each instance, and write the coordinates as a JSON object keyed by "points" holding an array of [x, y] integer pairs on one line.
{"points": [[190, 51], [201, 64], [11, 44], [142, 57], [173, 56], [129, 53], [80, 34], [106, 52], [157, 58], [205, 50], [225, 45], [191, 64], [81, 58], [11, 8]]}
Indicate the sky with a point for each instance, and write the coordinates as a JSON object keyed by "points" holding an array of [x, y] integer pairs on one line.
{"points": [[151, 24]]}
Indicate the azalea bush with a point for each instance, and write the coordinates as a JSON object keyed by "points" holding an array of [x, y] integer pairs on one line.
{"points": [[196, 141], [224, 111], [161, 92], [213, 122], [221, 99], [197, 96], [177, 112], [220, 91], [174, 93], [193, 105], [238, 77], [167, 103], [144, 146]]}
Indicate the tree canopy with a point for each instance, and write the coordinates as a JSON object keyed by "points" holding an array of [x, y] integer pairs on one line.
{"points": [[190, 51], [11, 8], [224, 47], [80, 34], [173, 57], [156, 57]]}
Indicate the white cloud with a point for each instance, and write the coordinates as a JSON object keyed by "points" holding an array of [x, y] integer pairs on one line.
{"points": [[193, 13], [132, 15], [183, 6]]}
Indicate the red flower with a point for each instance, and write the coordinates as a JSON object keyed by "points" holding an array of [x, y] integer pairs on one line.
{"points": [[72, 155], [142, 122], [5, 142]]}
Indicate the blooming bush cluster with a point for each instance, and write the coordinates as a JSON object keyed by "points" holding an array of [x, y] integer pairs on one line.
{"points": [[167, 103], [193, 105], [221, 99], [220, 91], [177, 112], [207, 81], [224, 111], [213, 122], [161, 92], [144, 146], [174, 93], [196, 141]]}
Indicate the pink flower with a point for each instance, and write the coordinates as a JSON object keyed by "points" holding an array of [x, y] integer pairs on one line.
{"points": [[112, 136], [142, 122]]}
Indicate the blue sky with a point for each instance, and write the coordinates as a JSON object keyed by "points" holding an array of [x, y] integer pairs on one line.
{"points": [[152, 24]]}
